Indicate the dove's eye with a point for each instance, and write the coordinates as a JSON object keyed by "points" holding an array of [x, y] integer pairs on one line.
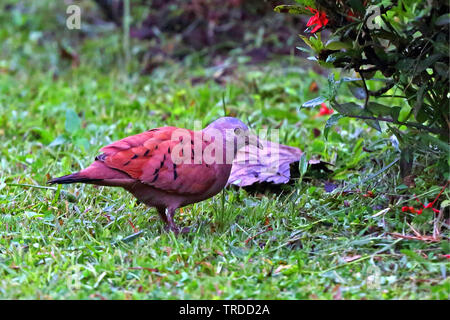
{"points": [[238, 131]]}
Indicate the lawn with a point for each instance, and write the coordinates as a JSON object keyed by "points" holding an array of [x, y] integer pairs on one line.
{"points": [[80, 241]]}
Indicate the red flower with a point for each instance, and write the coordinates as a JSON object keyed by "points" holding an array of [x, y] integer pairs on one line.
{"points": [[428, 206], [319, 19], [324, 110], [369, 193]]}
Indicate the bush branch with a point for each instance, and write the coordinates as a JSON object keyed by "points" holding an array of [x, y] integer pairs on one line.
{"points": [[408, 124]]}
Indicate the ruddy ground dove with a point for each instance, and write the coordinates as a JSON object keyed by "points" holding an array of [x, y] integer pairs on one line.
{"points": [[168, 167]]}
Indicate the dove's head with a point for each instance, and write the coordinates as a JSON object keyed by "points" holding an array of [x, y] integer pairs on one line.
{"points": [[234, 132]]}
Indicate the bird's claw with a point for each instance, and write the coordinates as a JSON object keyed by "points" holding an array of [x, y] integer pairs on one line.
{"points": [[186, 230], [177, 230]]}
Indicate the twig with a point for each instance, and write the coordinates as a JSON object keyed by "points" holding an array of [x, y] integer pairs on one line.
{"points": [[408, 124], [136, 230], [366, 99], [258, 234], [421, 238]]}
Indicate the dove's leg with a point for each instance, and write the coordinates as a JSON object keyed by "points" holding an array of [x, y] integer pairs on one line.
{"points": [[172, 226], [162, 214]]}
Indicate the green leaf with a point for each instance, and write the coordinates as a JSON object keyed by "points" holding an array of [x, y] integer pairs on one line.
{"points": [[433, 140], [445, 203], [419, 100], [333, 86], [428, 62], [358, 92], [326, 64], [73, 122], [405, 65], [348, 79], [357, 5], [58, 141], [307, 3], [406, 161], [371, 123], [318, 146], [395, 113], [413, 255], [383, 34], [303, 165], [379, 109], [443, 20], [441, 48], [331, 122], [303, 49], [442, 69], [313, 42], [334, 44], [404, 113], [291, 9], [350, 108], [307, 41], [314, 102], [317, 43]]}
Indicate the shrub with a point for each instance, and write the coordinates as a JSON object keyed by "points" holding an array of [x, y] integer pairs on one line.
{"points": [[396, 49]]}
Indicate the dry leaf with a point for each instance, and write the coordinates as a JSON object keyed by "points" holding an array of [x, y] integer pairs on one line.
{"points": [[351, 258], [313, 87], [337, 293], [272, 164], [281, 268]]}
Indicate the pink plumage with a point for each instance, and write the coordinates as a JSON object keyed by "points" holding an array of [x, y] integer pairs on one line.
{"points": [[142, 164]]}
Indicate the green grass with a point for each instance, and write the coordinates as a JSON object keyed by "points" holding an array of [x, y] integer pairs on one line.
{"points": [[76, 241]]}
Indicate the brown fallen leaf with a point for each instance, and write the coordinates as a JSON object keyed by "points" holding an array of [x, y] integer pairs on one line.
{"points": [[421, 238], [409, 181], [220, 253], [313, 87], [352, 258], [70, 54], [337, 293], [258, 234], [281, 268], [272, 164]]}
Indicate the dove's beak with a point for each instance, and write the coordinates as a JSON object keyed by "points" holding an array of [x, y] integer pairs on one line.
{"points": [[254, 141]]}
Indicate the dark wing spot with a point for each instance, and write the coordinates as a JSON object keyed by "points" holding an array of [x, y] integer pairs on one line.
{"points": [[101, 157], [127, 163], [156, 171], [168, 150], [154, 179], [134, 157], [175, 172], [146, 153]]}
